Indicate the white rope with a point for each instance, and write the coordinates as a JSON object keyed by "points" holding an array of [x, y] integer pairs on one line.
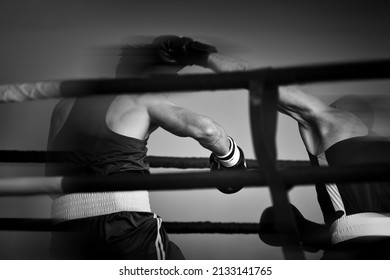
{"points": [[29, 91]]}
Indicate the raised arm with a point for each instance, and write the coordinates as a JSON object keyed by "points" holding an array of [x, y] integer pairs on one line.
{"points": [[315, 118], [318, 123], [301, 106], [223, 63], [293, 102]]}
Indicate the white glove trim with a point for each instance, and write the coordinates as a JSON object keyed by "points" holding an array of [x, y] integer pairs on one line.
{"points": [[232, 157]]}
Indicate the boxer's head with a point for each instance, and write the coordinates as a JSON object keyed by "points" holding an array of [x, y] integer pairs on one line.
{"points": [[358, 106], [142, 61]]}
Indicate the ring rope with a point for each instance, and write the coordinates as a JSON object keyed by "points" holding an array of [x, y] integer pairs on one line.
{"points": [[14, 156], [22, 224], [191, 180], [375, 69], [263, 103]]}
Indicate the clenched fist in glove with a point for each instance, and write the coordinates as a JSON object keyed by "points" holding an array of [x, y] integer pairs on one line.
{"points": [[182, 50], [233, 160]]}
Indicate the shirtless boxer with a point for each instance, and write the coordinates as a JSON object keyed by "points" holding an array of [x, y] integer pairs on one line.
{"points": [[356, 214], [108, 136]]}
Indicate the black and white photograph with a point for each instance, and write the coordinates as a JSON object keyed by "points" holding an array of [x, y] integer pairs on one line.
{"points": [[229, 132]]}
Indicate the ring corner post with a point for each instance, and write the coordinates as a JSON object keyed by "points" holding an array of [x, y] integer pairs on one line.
{"points": [[263, 101]]}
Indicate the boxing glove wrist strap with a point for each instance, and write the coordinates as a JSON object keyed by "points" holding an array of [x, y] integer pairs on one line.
{"points": [[232, 157]]}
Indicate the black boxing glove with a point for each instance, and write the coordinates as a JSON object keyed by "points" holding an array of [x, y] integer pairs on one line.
{"points": [[233, 160], [182, 50], [313, 236]]}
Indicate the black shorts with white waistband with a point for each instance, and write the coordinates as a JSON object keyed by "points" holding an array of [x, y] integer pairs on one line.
{"points": [[121, 235]]}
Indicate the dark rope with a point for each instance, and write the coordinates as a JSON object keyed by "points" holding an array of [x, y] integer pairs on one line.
{"points": [[375, 69], [349, 71], [194, 180], [211, 227], [18, 224], [201, 163], [205, 180], [14, 156]]}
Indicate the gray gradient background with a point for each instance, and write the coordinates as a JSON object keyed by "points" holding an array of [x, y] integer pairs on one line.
{"points": [[46, 40]]}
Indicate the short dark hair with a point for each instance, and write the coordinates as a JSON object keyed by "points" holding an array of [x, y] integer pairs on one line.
{"points": [[358, 106]]}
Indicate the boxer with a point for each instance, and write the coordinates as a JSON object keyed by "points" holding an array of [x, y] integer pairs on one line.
{"points": [[357, 215], [108, 135]]}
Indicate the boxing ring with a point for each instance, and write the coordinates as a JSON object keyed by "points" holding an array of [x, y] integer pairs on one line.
{"points": [[265, 171]]}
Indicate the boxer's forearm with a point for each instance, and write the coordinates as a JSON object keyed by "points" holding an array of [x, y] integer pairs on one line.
{"points": [[214, 138], [185, 123], [222, 63]]}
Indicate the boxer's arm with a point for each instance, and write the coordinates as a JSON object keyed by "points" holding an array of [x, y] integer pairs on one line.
{"points": [[307, 109], [223, 63], [303, 107], [185, 123], [314, 117]]}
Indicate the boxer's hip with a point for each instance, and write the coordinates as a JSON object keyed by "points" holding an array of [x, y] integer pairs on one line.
{"points": [[121, 235]]}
